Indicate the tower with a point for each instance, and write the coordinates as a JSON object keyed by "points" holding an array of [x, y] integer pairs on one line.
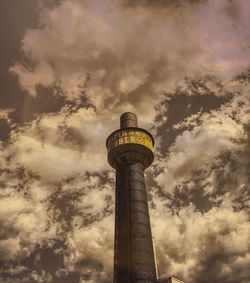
{"points": [[130, 152]]}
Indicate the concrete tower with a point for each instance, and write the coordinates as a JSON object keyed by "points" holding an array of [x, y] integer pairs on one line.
{"points": [[130, 152]]}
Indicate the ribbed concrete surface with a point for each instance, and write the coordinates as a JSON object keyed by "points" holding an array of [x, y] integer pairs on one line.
{"points": [[128, 119], [134, 258]]}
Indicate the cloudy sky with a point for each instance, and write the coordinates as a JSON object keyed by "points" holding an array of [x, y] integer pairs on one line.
{"points": [[68, 69]]}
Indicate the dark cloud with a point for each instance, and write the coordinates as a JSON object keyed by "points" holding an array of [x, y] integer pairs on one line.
{"points": [[243, 77], [212, 267], [195, 98], [5, 129], [78, 65], [49, 259], [233, 10], [16, 17]]}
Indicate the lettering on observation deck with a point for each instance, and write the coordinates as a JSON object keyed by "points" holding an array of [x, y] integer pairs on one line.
{"points": [[129, 137]]}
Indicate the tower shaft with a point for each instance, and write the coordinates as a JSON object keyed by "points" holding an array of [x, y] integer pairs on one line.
{"points": [[134, 257]]}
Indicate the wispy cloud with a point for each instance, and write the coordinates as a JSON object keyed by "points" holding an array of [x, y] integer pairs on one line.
{"points": [[172, 63]]}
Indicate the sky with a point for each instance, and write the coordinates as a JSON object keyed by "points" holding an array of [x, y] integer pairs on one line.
{"points": [[68, 70]]}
